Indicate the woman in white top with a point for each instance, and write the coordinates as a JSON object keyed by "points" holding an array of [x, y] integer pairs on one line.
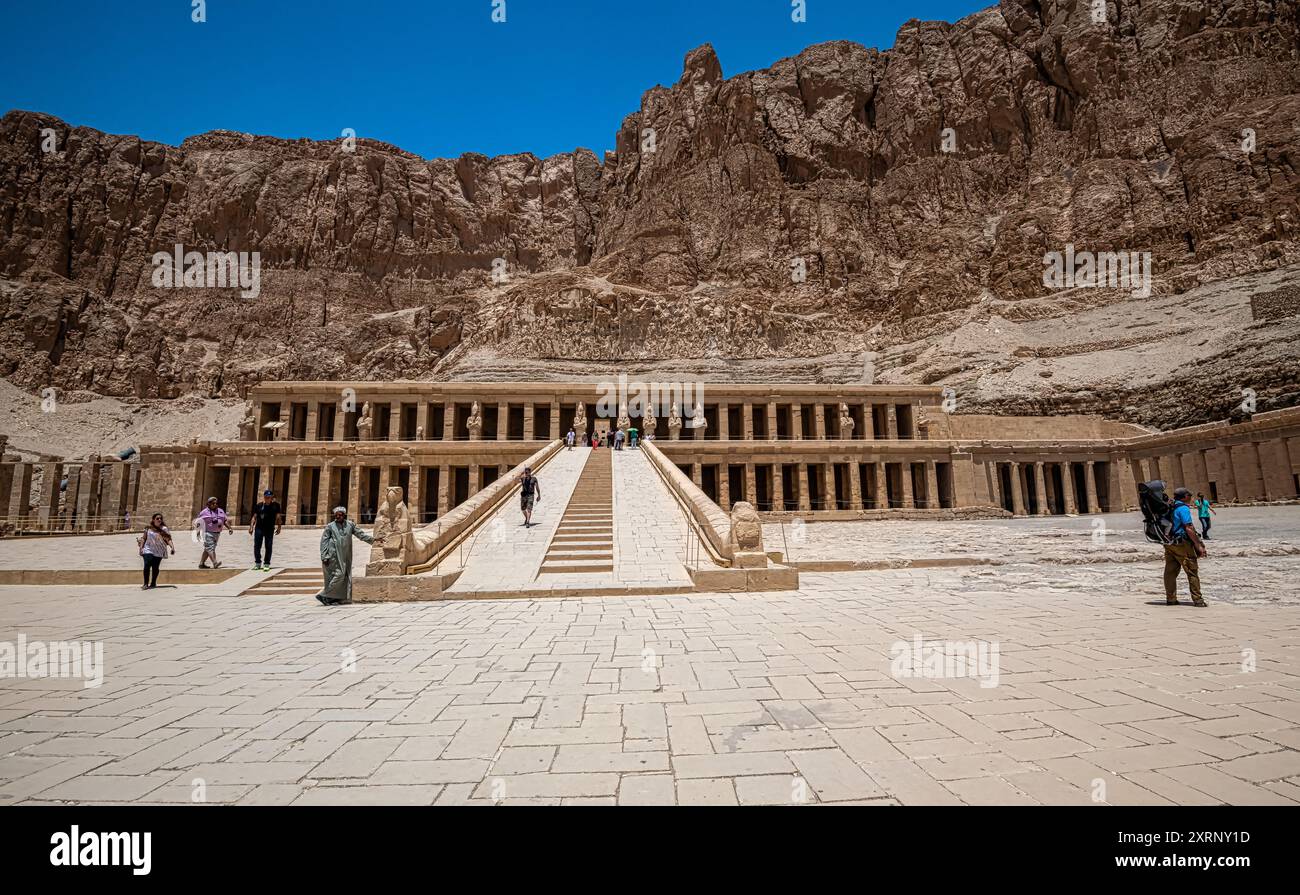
{"points": [[154, 543]]}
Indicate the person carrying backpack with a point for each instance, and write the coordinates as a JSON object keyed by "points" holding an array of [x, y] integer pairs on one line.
{"points": [[1183, 552]]}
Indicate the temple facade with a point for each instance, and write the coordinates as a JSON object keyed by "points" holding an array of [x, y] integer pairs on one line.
{"points": [[814, 451]]}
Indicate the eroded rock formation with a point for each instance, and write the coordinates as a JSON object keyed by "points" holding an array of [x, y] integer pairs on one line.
{"points": [[805, 212]]}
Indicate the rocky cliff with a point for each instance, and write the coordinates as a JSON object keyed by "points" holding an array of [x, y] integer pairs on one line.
{"points": [[847, 214]]}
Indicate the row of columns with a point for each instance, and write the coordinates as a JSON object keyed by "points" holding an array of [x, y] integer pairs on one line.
{"points": [[1042, 495], [1248, 470], [864, 430], [803, 493], [98, 495]]}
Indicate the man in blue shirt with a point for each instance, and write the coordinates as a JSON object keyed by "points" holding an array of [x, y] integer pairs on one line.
{"points": [[1184, 552]]}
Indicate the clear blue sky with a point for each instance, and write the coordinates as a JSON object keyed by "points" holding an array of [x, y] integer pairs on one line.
{"points": [[434, 77]]}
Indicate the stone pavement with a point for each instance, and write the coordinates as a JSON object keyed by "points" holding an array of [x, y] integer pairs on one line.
{"points": [[1100, 696]]}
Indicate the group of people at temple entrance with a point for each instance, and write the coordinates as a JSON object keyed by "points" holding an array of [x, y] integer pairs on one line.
{"points": [[614, 439]]}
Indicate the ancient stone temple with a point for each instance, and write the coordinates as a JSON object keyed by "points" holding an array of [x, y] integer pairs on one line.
{"points": [[819, 452]]}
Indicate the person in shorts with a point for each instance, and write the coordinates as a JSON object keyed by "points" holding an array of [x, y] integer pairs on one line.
{"points": [[210, 522], [530, 491]]}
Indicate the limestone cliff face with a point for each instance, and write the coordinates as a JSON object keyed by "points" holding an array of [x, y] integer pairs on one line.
{"points": [[680, 245]]}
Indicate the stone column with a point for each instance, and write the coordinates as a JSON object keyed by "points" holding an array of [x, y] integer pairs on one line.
{"points": [[394, 420], [1040, 487], [7, 475], [1017, 489], [503, 420], [1090, 485], [313, 420], [555, 421], [931, 485], [805, 499], [868, 422], [819, 421], [724, 487], [412, 496], [449, 421], [291, 515], [697, 474], [232, 494], [444, 489], [751, 489], [354, 492], [48, 512], [286, 410], [385, 474], [88, 496], [855, 486], [796, 422], [891, 422], [1067, 485], [20, 494], [771, 421], [905, 473], [828, 486], [424, 418], [473, 479], [529, 421], [724, 426], [778, 487], [747, 424], [340, 422], [324, 512], [68, 518], [882, 486]]}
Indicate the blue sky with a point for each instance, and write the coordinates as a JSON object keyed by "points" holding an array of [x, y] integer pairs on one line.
{"points": [[436, 77]]}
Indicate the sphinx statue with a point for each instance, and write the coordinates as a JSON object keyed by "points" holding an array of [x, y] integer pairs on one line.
{"points": [[475, 422], [746, 537], [392, 534]]}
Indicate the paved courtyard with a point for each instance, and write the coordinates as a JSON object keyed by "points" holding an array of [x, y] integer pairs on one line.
{"points": [[1097, 694]]}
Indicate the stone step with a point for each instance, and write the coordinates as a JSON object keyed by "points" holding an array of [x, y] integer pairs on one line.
{"points": [[558, 569]]}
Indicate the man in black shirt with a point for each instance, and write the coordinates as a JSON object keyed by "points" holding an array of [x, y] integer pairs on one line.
{"points": [[267, 519]]}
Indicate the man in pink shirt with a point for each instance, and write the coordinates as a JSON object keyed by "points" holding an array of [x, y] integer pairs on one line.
{"points": [[212, 519]]}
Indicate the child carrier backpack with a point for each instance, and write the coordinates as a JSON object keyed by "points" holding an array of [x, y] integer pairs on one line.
{"points": [[1157, 512]]}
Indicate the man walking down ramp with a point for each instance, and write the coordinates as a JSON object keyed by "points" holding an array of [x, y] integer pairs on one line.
{"points": [[336, 558]]}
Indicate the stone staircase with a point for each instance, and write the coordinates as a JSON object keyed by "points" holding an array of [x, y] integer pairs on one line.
{"points": [[305, 582], [584, 539]]}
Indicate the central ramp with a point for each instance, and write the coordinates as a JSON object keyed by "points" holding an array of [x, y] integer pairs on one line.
{"points": [[584, 539]]}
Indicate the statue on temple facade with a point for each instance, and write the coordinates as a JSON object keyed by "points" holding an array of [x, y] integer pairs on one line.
{"points": [[648, 421], [698, 422], [846, 421], [674, 422], [624, 422], [475, 422], [580, 421], [365, 423]]}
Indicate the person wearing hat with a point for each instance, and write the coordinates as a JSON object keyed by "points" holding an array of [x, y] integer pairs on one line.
{"points": [[336, 558], [210, 521], [268, 516]]}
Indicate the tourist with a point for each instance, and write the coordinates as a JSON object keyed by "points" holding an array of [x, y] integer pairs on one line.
{"points": [[1203, 510], [267, 519], [154, 543], [1183, 552], [568, 439], [530, 491], [618, 440], [336, 558], [213, 519], [631, 437]]}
